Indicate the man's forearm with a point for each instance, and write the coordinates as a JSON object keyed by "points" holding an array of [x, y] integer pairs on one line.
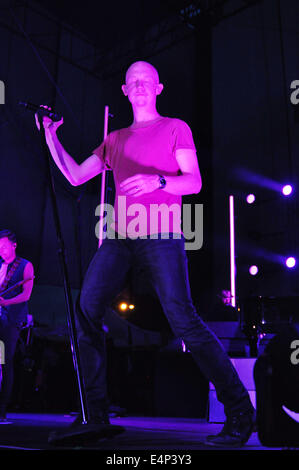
{"points": [[18, 299], [63, 160], [182, 185]]}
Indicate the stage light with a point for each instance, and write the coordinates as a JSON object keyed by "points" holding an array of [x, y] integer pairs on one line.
{"points": [[287, 190], [123, 306], [253, 270], [131, 307], [250, 198], [290, 262]]}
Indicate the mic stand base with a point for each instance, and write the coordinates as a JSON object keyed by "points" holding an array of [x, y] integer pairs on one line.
{"points": [[84, 434]]}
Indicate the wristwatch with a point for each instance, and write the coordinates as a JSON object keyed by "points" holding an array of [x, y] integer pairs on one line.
{"points": [[162, 182]]}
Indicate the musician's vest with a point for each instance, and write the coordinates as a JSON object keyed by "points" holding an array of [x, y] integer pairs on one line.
{"points": [[15, 313]]}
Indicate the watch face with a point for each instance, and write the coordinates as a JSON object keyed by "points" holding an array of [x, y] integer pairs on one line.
{"points": [[162, 182]]}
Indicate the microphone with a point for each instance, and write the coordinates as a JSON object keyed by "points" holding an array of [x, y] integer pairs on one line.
{"points": [[40, 110]]}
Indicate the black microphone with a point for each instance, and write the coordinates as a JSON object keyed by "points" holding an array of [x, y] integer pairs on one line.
{"points": [[40, 110]]}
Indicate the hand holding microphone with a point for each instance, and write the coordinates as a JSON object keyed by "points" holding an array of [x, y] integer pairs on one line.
{"points": [[42, 111], [48, 123]]}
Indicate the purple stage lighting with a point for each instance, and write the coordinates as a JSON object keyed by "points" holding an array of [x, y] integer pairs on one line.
{"points": [[290, 262], [250, 198], [253, 270], [287, 190]]}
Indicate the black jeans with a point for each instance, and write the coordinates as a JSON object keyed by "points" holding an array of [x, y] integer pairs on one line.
{"points": [[166, 263], [9, 335]]}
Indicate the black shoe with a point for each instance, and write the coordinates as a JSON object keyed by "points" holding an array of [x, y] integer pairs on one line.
{"points": [[236, 431], [116, 411]]}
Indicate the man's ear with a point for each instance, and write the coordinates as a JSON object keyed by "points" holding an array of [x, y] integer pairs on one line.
{"points": [[124, 89], [159, 88]]}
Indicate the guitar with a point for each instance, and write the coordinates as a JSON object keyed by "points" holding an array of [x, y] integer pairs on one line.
{"points": [[15, 286]]}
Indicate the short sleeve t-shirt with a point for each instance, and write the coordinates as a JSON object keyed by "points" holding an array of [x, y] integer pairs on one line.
{"points": [[147, 149]]}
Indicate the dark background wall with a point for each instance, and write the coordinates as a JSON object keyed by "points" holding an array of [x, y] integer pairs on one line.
{"points": [[255, 139], [224, 76]]}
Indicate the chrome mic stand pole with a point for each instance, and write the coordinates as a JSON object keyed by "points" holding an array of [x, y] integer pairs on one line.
{"points": [[103, 182]]}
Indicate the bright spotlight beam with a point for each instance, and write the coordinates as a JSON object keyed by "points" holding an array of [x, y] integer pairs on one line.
{"points": [[250, 198], [253, 270], [290, 262], [287, 190]]}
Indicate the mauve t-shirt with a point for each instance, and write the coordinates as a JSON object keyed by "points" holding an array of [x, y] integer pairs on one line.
{"points": [[148, 149]]}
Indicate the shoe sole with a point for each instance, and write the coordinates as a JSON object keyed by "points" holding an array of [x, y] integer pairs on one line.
{"points": [[217, 444], [236, 444]]}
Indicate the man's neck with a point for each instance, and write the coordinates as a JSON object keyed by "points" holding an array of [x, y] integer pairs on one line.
{"points": [[144, 115], [10, 260]]}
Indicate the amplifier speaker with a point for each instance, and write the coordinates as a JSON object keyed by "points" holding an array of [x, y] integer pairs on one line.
{"points": [[276, 375]]}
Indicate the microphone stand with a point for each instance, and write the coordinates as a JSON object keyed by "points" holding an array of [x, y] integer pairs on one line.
{"points": [[66, 283], [77, 434]]}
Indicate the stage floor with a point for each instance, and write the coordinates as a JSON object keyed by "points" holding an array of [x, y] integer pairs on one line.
{"points": [[30, 432]]}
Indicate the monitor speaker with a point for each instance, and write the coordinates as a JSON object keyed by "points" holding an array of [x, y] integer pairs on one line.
{"points": [[276, 375]]}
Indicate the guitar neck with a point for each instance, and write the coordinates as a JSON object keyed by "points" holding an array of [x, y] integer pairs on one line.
{"points": [[15, 286]]}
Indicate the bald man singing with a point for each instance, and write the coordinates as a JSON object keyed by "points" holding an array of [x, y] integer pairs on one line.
{"points": [[154, 164]]}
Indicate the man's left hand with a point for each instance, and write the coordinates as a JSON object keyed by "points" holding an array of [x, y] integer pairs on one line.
{"points": [[139, 184]]}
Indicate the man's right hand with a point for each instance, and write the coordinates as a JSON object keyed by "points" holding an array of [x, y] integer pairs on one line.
{"points": [[74, 173], [48, 123]]}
